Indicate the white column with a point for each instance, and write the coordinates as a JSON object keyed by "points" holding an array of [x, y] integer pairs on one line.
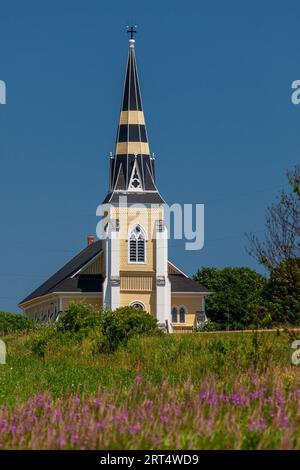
{"points": [[111, 284], [163, 286]]}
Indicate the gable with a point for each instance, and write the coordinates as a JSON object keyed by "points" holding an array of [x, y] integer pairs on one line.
{"points": [[95, 266]]}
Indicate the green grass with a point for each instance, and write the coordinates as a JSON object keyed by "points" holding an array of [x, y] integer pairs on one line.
{"points": [[70, 363]]}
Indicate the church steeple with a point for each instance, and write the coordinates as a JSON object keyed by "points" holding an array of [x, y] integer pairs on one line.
{"points": [[132, 167]]}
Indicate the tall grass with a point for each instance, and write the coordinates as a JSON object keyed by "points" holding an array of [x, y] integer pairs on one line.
{"points": [[254, 413], [176, 391]]}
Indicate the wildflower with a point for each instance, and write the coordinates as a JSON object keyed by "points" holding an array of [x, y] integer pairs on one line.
{"points": [[257, 425], [134, 429], [111, 406], [40, 398], [61, 442], [138, 379], [57, 414], [99, 425], [239, 399], [76, 400], [148, 405], [97, 402], [75, 439], [283, 421]]}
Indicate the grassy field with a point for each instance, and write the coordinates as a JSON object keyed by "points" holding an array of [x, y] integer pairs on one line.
{"points": [[192, 391]]}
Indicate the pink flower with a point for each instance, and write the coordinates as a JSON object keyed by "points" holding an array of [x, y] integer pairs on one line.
{"points": [[134, 429], [257, 425], [76, 399], [61, 442], [138, 379]]}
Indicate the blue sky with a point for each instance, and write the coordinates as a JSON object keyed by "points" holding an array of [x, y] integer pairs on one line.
{"points": [[215, 79]]}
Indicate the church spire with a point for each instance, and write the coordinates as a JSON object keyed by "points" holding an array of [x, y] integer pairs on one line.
{"points": [[132, 166], [132, 135]]}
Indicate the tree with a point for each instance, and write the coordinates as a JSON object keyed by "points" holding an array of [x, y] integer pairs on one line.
{"points": [[282, 292], [282, 237], [236, 295]]}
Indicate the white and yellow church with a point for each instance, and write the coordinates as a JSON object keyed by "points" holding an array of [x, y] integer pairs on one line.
{"points": [[129, 265]]}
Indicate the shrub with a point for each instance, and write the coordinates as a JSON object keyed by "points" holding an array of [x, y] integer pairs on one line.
{"points": [[79, 318], [11, 322], [39, 341], [124, 323]]}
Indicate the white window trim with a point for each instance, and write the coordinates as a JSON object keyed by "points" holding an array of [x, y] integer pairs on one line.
{"points": [[130, 187], [138, 302]]}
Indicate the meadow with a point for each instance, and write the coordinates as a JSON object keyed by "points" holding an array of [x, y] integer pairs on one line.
{"points": [[189, 391]]}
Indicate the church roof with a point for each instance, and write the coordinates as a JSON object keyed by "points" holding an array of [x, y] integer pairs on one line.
{"points": [[145, 197], [181, 283], [59, 281], [68, 279]]}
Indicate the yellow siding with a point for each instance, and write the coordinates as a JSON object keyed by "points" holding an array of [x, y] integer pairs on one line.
{"points": [[130, 282], [95, 267], [192, 303], [171, 270], [147, 218], [95, 301], [148, 299]]}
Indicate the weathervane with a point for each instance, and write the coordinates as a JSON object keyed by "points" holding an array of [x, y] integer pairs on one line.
{"points": [[131, 30]]}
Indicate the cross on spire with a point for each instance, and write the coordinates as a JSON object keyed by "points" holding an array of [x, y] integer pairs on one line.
{"points": [[131, 30]]}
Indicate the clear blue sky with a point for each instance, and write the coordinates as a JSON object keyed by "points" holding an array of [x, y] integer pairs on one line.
{"points": [[215, 79]]}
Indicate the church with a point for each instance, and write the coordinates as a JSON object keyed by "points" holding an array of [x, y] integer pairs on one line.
{"points": [[129, 265]]}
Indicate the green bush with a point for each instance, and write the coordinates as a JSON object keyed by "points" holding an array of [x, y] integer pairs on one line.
{"points": [[11, 322], [79, 318], [124, 323], [93, 331], [38, 345]]}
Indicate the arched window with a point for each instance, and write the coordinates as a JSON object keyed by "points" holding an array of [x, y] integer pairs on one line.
{"points": [[174, 315], [138, 305], [182, 315], [137, 246]]}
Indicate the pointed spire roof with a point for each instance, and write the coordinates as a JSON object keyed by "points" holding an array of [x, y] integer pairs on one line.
{"points": [[132, 135], [132, 93], [132, 167]]}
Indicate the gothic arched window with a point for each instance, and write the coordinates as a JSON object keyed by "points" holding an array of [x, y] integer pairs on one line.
{"points": [[174, 315], [182, 315], [137, 246]]}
